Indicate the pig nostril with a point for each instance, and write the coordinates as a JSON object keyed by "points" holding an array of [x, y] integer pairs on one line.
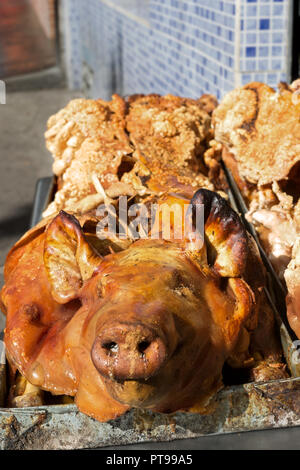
{"points": [[128, 352], [110, 346], [143, 345]]}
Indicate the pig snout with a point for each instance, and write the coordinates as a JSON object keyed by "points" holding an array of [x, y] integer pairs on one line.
{"points": [[128, 352]]}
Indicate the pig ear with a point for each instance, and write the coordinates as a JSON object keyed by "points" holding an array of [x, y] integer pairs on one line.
{"points": [[68, 258], [225, 237]]}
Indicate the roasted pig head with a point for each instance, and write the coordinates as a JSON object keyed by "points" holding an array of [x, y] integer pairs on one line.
{"points": [[150, 326]]}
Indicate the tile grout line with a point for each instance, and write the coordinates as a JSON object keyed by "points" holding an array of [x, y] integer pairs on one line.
{"points": [[237, 51]]}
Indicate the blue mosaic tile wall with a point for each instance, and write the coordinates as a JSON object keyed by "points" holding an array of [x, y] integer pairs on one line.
{"points": [[265, 53], [184, 47]]}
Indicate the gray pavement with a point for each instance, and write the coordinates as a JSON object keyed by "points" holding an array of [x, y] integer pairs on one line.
{"points": [[23, 157]]}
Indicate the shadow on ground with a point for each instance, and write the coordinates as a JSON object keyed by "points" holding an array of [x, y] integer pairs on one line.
{"points": [[17, 223], [12, 228]]}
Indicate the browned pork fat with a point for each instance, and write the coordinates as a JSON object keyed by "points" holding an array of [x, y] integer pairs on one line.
{"points": [[150, 326], [259, 130]]}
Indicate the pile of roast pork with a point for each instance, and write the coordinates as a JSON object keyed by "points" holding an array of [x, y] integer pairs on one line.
{"points": [[153, 321]]}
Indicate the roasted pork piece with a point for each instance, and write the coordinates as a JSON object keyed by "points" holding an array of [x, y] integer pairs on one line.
{"points": [[260, 133], [292, 279], [150, 326], [133, 147], [120, 323]]}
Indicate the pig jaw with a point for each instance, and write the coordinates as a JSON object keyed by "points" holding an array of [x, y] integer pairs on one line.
{"points": [[187, 377], [132, 357]]}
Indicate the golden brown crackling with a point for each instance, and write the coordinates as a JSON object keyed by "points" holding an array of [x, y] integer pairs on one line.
{"points": [[250, 124], [262, 129], [292, 278], [260, 132], [86, 137], [167, 131], [145, 144]]}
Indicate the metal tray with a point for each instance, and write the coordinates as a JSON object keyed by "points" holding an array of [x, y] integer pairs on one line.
{"points": [[248, 407]]}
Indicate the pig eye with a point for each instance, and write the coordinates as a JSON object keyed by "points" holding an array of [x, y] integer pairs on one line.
{"points": [[178, 279], [181, 286]]}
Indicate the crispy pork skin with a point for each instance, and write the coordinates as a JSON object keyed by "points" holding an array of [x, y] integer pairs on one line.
{"points": [[260, 133], [292, 278], [149, 326], [261, 128], [131, 147]]}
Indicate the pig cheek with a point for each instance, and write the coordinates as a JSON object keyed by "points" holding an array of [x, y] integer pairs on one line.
{"points": [[196, 363]]}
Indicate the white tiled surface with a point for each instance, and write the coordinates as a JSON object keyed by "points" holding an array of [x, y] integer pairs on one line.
{"points": [[264, 40], [185, 47]]}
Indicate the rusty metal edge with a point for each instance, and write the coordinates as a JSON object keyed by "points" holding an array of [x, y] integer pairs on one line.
{"points": [[44, 191], [274, 404]]}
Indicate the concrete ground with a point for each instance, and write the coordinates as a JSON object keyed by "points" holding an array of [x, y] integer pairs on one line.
{"points": [[23, 157]]}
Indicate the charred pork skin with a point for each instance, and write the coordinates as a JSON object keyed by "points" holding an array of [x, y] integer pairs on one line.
{"points": [[150, 326], [134, 147], [260, 132]]}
